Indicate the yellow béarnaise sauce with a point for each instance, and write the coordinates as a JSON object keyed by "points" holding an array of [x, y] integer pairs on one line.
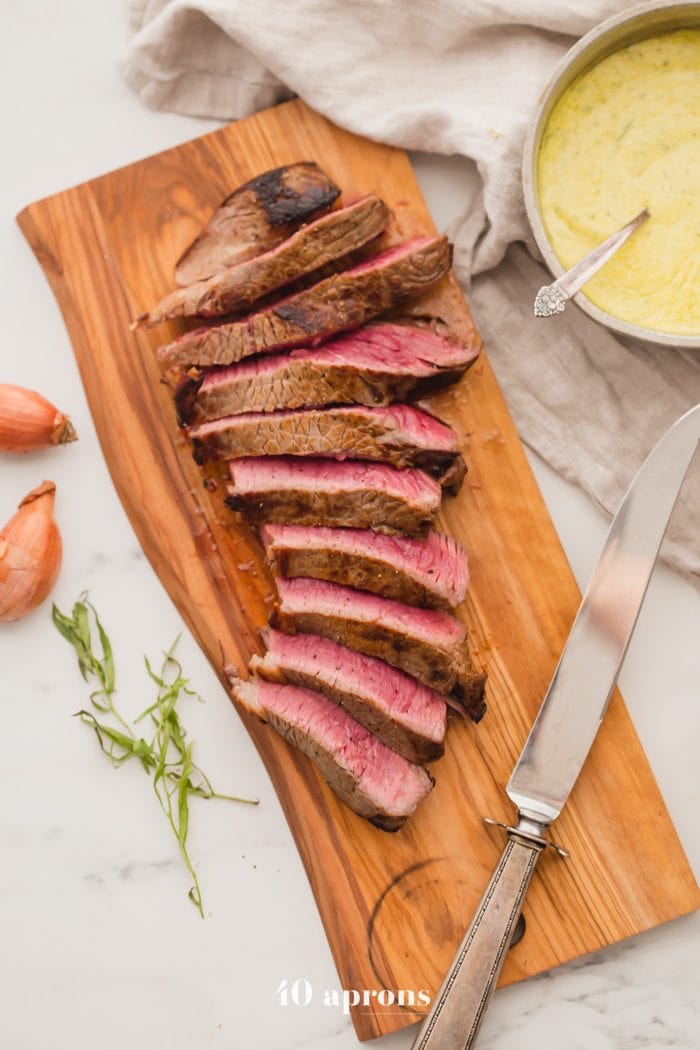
{"points": [[623, 137]]}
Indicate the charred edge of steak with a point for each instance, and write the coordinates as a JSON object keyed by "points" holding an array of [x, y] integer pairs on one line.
{"points": [[386, 823], [234, 503], [250, 221], [469, 692], [298, 314], [453, 476], [439, 380], [395, 519], [201, 454], [282, 202], [185, 396], [448, 469]]}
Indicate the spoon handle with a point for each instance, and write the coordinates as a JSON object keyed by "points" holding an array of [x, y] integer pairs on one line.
{"points": [[553, 297]]}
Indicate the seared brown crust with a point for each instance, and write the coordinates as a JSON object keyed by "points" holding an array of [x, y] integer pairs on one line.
{"points": [[452, 477], [469, 690], [434, 667], [351, 570], [301, 383], [292, 193], [448, 672], [340, 302], [366, 509], [335, 432], [315, 245], [255, 218], [297, 384], [185, 394]]}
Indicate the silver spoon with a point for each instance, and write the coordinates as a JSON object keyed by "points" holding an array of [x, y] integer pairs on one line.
{"points": [[552, 298]]}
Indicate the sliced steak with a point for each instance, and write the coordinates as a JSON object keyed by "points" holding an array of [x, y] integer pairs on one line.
{"points": [[374, 365], [400, 435], [326, 491], [426, 643], [340, 302], [370, 778], [256, 217], [406, 715], [315, 245], [431, 572]]}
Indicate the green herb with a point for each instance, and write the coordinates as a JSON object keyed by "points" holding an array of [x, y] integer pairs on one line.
{"points": [[167, 755]]}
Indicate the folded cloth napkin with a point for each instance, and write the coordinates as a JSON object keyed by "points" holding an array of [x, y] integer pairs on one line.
{"points": [[450, 77]]}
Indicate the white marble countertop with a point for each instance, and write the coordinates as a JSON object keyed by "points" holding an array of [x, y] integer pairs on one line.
{"points": [[99, 944]]}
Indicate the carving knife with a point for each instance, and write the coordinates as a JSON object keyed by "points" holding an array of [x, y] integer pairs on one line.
{"points": [[564, 730]]}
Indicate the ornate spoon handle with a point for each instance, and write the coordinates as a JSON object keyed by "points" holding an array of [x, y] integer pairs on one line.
{"points": [[459, 1007], [552, 298]]}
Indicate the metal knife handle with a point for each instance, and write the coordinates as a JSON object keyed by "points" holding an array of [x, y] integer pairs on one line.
{"points": [[458, 1010]]}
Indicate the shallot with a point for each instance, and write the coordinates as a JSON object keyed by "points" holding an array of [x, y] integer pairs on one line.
{"points": [[30, 554], [28, 422]]}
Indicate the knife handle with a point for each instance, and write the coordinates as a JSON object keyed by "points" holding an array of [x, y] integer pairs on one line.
{"points": [[458, 1010]]}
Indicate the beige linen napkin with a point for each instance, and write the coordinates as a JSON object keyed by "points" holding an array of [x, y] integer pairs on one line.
{"points": [[451, 77]]}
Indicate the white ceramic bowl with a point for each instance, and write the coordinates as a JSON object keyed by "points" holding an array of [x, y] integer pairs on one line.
{"points": [[635, 24]]}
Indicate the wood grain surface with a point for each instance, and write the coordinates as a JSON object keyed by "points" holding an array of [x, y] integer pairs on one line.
{"points": [[394, 906]]}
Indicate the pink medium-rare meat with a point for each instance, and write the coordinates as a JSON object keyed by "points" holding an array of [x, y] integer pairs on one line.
{"points": [[336, 304], [399, 434], [373, 365], [365, 774], [254, 218], [431, 572], [426, 643], [333, 492], [236, 288], [406, 715]]}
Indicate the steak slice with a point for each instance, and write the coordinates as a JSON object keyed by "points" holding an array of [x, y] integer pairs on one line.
{"points": [[365, 774], [431, 572], [337, 303], [370, 366], [426, 643], [256, 217], [400, 435], [326, 491], [406, 715], [315, 245]]}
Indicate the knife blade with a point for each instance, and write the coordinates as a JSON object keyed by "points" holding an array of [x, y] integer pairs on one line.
{"points": [[564, 730], [584, 680]]}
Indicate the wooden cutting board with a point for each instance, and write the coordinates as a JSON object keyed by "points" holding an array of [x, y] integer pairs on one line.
{"points": [[394, 906]]}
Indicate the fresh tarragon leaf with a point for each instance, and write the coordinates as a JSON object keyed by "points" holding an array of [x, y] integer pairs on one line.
{"points": [[167, 755]]}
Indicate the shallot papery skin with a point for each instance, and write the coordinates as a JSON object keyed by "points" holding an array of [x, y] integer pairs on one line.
{"points": [[30, 554], [28, 422]]}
